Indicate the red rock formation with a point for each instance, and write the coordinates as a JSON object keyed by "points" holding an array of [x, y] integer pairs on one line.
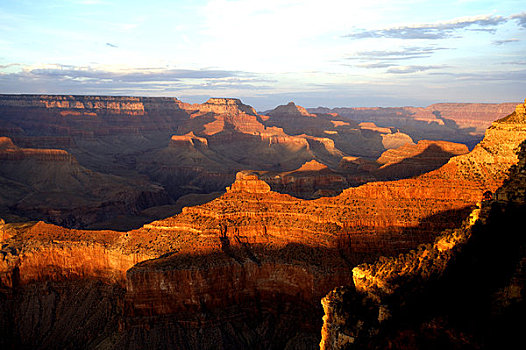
{"points": [[457, 122], [410, 159], [256, 251], [51, 184]]}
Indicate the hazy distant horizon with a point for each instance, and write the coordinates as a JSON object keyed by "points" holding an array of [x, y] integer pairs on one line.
{"points": [[269, 107], [267, 53]]}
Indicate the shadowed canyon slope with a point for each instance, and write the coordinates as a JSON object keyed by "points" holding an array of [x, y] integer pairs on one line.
{"points": [[464, 291], [245, 270], [457, 122], [177, 154]]}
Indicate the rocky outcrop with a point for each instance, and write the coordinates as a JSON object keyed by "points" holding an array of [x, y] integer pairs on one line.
{"points": [[248, 182], [453, 293], [51, 184], [10, 152], [456, 122], [243, 270], [410, 159]]}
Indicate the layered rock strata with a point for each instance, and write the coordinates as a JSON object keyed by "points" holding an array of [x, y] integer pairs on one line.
{"points": [[189, 148], [465, 290], [456, 122], [197, 279]]}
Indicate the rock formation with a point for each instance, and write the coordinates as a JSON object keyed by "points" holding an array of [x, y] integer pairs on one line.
{"points": [[455, 122], [465, 290], [410, 159], [189, 149], [51, 184], [241, 270]]}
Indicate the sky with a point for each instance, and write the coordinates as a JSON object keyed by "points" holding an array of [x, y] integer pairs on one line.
{"points": [[332, 53]]}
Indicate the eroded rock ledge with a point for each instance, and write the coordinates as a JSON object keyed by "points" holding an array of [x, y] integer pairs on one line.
{"points": [[465, 290], [195, 280]]}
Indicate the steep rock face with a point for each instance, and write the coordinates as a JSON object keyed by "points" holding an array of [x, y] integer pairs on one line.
{"points": [[410, 160], [45, 252], [251, 252], [51, 184], [456, 122], [466, 290]]}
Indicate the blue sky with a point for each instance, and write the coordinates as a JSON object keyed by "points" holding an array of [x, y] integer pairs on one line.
{"points": [[331, 53]]}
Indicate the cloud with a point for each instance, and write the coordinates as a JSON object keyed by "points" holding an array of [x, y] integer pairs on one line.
{"points": [[411, 69], [66, 72], [521, 18], [518, 75], [67, 79], [390, 58], [375, 65], [4, 66], [403, 54], [504, 41], [440, 30]]}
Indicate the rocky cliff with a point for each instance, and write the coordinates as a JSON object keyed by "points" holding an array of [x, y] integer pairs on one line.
{"points": [[188, 149], [245, 270], [465, 290], [456, 122]]}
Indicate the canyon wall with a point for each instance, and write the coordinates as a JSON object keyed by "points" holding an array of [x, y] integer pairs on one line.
{"points": [[244, 269], [170, 149], [456, 122], [465, 290]]}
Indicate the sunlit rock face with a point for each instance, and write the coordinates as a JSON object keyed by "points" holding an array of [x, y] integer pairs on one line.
{"points": [[246, 269], [410, 159], [456, 122], [169, 149], [465, 290]]}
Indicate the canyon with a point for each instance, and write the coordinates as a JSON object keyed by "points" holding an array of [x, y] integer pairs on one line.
{"points": [[177, 154], [465, 290], [292, 203]]}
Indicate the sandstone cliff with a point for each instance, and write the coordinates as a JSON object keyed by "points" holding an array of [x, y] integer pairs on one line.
{"points": [[50, 184], [456, 122], [465, 290], [240, 271]]}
